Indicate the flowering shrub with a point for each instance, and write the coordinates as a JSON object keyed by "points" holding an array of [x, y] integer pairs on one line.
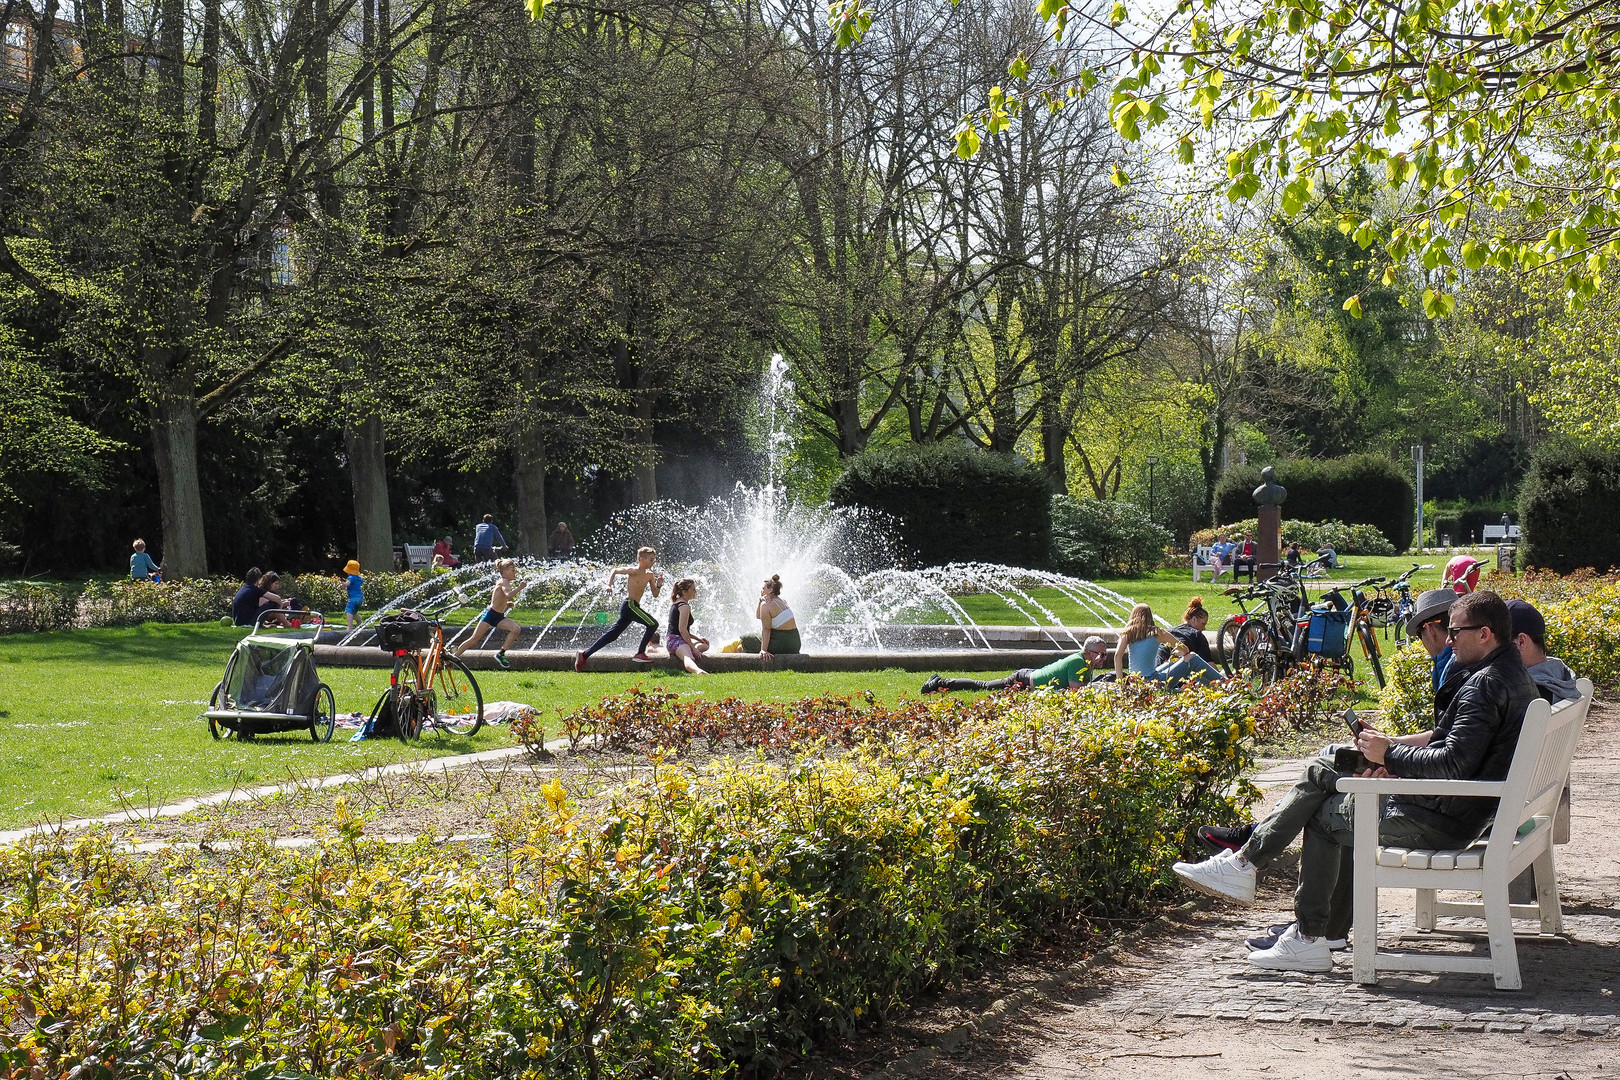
{"points": [[1300, 700], [702, 923], [1358, 539], [1407, 699]]}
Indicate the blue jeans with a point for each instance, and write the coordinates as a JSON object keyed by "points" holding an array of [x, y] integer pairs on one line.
{"points": [[1191, 666]]}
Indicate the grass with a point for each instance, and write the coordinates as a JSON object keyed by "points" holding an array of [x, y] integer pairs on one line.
{"points": [[94, 720]]}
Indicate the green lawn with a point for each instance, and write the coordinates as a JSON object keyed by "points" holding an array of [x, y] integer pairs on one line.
{"points": [[88, 714]]}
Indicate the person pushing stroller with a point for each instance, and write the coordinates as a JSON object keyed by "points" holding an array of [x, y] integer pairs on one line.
{"points": [[638, 579]]}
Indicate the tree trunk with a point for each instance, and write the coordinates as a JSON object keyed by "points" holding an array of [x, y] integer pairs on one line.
{"points": [[174, 445], [368, 471], [1054, 444], [644, 478], [532, 528]]}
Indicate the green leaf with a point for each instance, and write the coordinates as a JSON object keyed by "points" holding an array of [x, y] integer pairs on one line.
{"points": [[537, 8], [1353, 306], [1118, 177], [1019, 68], [967, 141]]}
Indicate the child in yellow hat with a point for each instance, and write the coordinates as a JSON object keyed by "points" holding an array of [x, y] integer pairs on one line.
{"points": [[351, 612]]}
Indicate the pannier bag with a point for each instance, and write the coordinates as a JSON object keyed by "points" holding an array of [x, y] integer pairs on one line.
{"points": [[404, 630], [1327, 633]]}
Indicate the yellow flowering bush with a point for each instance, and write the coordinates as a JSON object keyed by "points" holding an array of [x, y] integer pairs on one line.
{"points": [[703, 922]]}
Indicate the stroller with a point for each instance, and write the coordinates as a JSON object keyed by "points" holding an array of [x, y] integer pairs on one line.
{"points": [[270, 683]]}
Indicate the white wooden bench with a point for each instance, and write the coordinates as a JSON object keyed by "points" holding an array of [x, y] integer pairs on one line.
{"points": [[1499, 534], [418, 556], [1521, 836], [1203, 562]]}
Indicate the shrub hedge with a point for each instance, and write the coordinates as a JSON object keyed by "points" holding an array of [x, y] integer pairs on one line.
{"points": [[696, 923], [1105, 538], [1360, 489], [954, 503], [1312, 535], [1569, 509]]}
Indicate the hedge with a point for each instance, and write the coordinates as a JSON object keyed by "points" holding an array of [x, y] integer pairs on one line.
{"points": [[1105, 538], [700, 922], [1569, 509], [1312, 536], [954, 503], [1359, 489]]}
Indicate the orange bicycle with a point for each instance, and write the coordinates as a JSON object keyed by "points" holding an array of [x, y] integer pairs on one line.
{"points": [[429, 687]]}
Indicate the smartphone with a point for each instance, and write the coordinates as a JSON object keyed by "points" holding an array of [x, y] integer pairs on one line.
{"points": [[1352, 723]]}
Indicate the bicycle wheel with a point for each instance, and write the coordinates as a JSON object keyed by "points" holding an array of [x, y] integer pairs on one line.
{"points": [[458, 704], [1369, 644], [1254, 656], [1226, 642], [322, 715]]}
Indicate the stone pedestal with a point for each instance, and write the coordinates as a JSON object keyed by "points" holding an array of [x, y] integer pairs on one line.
{"points": [[1268, 543]]}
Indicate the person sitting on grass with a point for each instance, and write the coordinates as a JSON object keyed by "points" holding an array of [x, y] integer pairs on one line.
{"points": [[1069, 673], [141, 566], [681, 643], [495, 617], [1138, 648], [1474, 739]]}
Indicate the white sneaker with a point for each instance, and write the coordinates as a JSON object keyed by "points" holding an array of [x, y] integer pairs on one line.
{"points": [[1262, 942], [1294, 952], [1225, 876]]}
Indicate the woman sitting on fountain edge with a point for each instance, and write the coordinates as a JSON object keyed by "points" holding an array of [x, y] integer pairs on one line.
{"points": [[778, 630]]}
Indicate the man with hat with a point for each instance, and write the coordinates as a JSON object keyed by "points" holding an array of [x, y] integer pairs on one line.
{"points": [[1479, 710], [1553, 679]]}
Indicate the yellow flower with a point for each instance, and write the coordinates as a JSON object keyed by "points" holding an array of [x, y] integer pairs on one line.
{"points": [[537, 1046], [556, 797], [745, 934]]}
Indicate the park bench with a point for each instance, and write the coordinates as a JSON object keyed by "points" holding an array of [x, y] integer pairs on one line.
{"points": [[1500, 534], [418, 556], [1521, 836], [1203, 562]]}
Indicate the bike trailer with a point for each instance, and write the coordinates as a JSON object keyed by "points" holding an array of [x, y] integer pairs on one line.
{"points": [[271, 686], [1327, 632]]}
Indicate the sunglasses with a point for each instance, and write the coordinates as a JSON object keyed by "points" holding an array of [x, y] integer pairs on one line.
{"points": [[1453, 631]]}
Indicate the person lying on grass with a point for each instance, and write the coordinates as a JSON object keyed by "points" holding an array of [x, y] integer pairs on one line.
{"points": [[1069, 673]]}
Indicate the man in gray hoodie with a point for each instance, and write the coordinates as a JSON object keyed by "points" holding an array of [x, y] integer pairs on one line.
{"points": [[1554, 681]]}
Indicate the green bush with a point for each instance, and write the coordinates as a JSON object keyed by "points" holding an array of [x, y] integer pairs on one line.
{"points": [[1407, 698], [1105, 538], [1583, 617], [1312, 535], [1360, 489], [28, 607], [1569, 509], [695, 923], [125, 602], [954, 503]]}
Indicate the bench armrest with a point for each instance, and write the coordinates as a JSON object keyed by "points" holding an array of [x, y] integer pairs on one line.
{"points": [[1396, 785]]}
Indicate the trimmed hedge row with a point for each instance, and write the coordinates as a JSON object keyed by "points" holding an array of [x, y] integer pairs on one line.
{"points": [[953, 502], [1569, 509], [1359, 489], [1312, 536], [704, 922]]}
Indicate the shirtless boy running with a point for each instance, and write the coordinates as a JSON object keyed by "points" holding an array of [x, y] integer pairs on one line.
{"points": [[501, 599], [637, 579]]}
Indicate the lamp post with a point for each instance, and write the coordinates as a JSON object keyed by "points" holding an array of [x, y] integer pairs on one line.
{"points": [[1152, 460]]}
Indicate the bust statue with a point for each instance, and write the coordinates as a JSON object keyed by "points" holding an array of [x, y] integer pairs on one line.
{"points": [[1269, 493]]}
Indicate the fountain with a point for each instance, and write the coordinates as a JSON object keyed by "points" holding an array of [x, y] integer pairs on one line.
{"points": [[857, 607]]}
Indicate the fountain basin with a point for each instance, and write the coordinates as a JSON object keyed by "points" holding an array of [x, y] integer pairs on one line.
{"points": [[998, 660]]}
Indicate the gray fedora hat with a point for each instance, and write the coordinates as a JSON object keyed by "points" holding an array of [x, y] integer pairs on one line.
{"points": [[1430, 605]]}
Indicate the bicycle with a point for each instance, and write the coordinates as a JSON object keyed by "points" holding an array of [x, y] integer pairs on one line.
{"points": [[1393, 604], [1258, 645], [429, 687], [1361, 627]]}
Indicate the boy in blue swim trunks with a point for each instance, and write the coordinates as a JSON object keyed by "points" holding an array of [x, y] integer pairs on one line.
{"points": [[494, 617]]}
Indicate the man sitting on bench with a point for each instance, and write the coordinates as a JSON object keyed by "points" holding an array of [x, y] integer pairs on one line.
{"points": [[1474, 739]]}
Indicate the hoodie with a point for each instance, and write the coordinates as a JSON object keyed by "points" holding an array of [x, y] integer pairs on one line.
{"points": [[1554, 680]]}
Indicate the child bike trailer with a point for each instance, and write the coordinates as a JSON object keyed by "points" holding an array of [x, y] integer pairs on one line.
{"points": [[271, 685]]}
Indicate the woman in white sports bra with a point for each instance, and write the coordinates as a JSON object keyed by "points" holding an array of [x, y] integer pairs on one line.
{"points": [[778, 632]]}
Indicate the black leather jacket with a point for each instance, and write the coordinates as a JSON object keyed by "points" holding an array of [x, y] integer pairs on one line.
{"points": [[1474, 739]]}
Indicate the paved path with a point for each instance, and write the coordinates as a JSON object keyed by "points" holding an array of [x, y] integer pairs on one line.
{"points": [[1182, 1001]]}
